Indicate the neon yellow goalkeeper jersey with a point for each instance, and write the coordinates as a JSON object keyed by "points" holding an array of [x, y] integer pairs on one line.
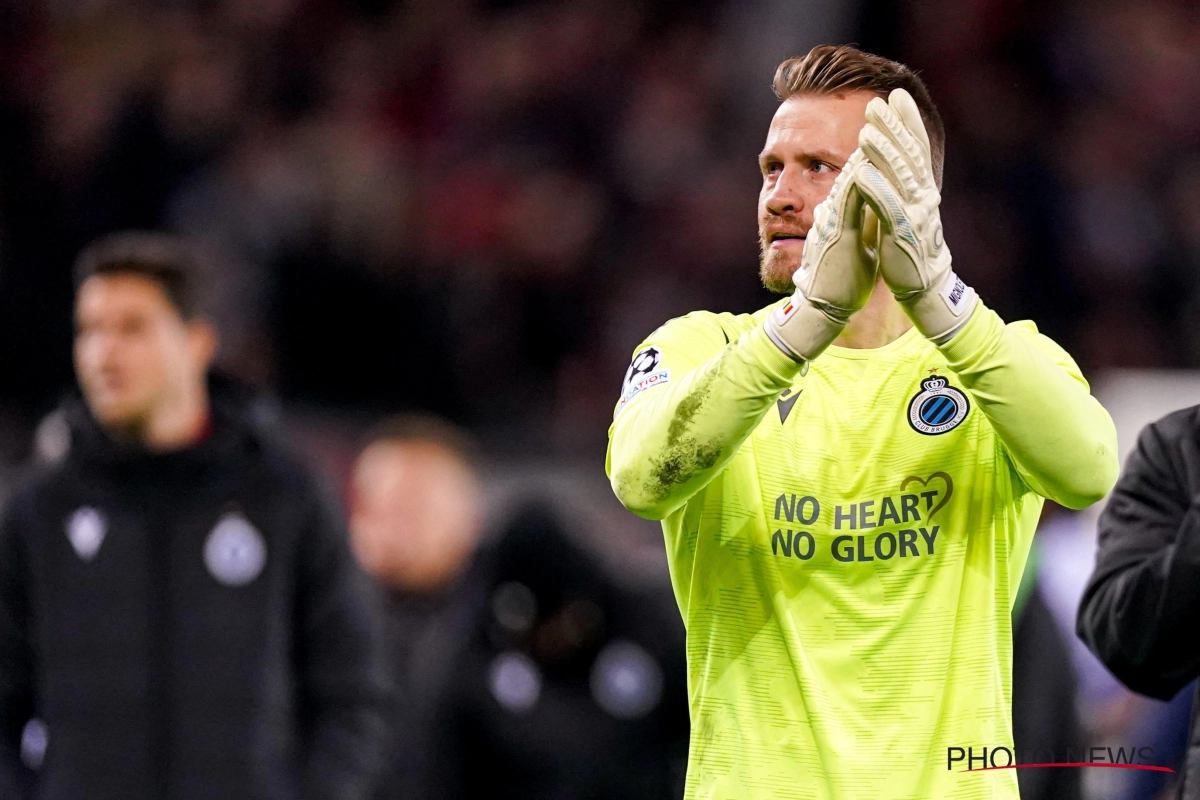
{"points": [[846, 545]]}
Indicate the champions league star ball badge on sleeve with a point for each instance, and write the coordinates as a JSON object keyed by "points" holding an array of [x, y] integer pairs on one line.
{"points": [[938, 408], [643, 373]]}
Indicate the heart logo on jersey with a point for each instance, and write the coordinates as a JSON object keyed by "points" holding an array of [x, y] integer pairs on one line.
{"points": [[944, 496]]}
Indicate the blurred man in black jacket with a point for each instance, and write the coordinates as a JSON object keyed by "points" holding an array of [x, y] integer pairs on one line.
{"points": [[559, 682], [416, 511], [178, 602], [1140, 611]]}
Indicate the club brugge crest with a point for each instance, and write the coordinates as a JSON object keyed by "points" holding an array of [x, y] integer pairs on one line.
{"points": [[938, 408]]}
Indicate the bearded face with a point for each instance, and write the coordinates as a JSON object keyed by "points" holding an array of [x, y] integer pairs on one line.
{"points": [[810, 139], [780, 248]]}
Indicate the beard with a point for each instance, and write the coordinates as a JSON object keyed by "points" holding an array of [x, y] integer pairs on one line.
{"points": [[776, 267]]}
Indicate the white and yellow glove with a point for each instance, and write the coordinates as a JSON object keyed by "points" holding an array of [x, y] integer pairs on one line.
{"points": [[897, 180], [837, 271]]}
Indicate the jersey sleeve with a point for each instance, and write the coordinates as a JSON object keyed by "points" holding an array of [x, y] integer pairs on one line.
{"points": [[693, 393], [1059, 438]]}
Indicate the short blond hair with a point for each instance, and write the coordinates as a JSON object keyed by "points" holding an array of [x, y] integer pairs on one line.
{"points": [[835, 69]]}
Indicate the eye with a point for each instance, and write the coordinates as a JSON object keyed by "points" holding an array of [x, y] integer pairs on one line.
{"points": [[821, 168], [772, 168]]}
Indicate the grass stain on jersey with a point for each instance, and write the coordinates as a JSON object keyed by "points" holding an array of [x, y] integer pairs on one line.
{"points": [[684, 454]]}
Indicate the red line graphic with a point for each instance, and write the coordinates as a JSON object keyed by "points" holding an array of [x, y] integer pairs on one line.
{"points": [[1078, 764]]}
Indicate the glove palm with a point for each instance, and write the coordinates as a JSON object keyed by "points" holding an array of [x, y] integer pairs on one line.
{"points": [[837, 271], [898, 181]]}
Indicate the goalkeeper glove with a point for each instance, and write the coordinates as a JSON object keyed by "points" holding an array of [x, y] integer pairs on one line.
{"points": [[837, 272], [897, 179]]}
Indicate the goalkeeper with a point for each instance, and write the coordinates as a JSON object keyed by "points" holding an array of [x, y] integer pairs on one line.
{"points": [[849, 479]]}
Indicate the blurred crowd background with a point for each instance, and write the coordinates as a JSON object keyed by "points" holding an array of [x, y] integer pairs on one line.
{"points": [[476, 209]]}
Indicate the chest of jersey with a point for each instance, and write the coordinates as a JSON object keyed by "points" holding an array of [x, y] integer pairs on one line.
{"points": [[871, 464]]}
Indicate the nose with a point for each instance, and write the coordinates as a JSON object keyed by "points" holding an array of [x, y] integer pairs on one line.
{"points": [[96, 352], [104, 349], [786, 196]]}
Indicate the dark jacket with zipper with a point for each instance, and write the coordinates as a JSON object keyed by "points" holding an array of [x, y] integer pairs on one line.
{"points": [[188, 626], [1141, 610]]}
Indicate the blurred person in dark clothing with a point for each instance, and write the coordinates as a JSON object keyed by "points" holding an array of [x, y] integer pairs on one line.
{"points": [[1046, 721], [179, 606], [415, 520], [1139, 611], [558, 683]]}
